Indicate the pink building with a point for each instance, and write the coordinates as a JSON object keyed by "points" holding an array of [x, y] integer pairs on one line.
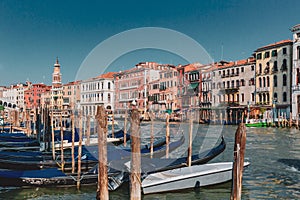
{"points": [[33, 95]]}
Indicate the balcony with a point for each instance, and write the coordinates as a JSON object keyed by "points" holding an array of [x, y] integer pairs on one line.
{"points": [[296, 88], [263, 89]]}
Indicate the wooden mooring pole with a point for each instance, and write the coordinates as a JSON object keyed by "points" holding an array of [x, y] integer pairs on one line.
{"points": [[135, 176], [52, 136], [102, 191], [152, 134], [79, 150], [189, 161], [62, 144], [238, 164], [73, 142], [88, 132], [167, 135], [125, 127]]}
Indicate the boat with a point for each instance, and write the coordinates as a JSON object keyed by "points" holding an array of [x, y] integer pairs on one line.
{"points": [[154, 165], [256, 123], [52, 177], [188, 177], [89, 156]]}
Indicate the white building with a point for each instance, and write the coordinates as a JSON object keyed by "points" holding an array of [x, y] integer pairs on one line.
{"points": [[296, 71], [97, 91]]}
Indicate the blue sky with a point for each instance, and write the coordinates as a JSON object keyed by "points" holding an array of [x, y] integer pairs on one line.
{"points": [[33, 33]]}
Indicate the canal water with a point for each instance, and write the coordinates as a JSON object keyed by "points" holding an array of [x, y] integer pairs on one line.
{"points": [[274, 172]]}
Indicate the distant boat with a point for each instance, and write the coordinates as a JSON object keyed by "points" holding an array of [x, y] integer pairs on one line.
{"points": [[256, 123], [188, 177]]}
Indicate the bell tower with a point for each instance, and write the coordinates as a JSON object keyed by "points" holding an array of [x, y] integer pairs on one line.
{"points": [[57, 89]]}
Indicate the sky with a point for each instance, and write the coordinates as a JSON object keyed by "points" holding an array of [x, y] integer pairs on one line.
{"points": [[33, 33]]}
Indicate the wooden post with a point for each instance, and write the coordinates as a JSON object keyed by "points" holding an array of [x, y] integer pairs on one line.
{"points": [[238, 165], [125, 127], [297, 122], [112, 125], [52, 134], [167, 135], [189, 161], [135, 176], [79, 150], [62, 144], [102, 191], [291, 121], [73, 142], [152, 134], [88, 133], [221, 120]]}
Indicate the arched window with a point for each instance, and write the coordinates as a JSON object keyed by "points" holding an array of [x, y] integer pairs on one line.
{"points": [[260, 68], [275, 68], [275, 81], [109, 85], [108, 97], [284, 79], [284, 97], [268, 97], [260, 98], [260, 85], [275, 96], [264, 81], [268, 81]]}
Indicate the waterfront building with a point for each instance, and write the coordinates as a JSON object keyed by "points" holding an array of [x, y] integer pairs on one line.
{"points": [[168, 89], [296, 72], [131, 86], [273, 77], [21, 90], [205, 93], [188, 85], [11, 94], [71, 96], [32, 95], [97, 91]]}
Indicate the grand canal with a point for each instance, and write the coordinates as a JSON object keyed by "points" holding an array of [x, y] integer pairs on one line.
{"points": [[274, 172]]}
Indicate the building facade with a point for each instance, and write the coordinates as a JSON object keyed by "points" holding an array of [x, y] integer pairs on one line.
{"points": [[274, 77], [296, 72], [97, 91]]}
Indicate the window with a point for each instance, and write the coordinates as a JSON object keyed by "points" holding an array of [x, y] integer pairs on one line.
{"points": [[109, 85], [232, 84], [284, 65], [264, 81], [258, 56], [275, 68], [284, 79], [242, 69], [242, 97], [284, 51], [252, 96], [260, 68], [237, 83], [275, 96], [268, 81], [108, 97], [284, 97], [274, 53], [275, 81], [260, 85], [252, 67], [267, 54]]}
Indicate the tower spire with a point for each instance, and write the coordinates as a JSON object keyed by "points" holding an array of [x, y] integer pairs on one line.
{"points": [[57, 60]]}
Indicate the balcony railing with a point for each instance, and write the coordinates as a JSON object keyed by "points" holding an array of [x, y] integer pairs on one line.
{"points": [[296, 88], [263, 89]]}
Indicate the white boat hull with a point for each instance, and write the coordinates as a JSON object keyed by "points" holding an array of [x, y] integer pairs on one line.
{"points": [[188, 177]]}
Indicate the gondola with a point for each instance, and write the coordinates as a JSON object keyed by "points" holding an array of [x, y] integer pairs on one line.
{"points": [[89, 156]]}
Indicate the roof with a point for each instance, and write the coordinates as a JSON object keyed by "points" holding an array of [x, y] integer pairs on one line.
{"points": [[274, 45], [107, 75], [236, 63]]}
